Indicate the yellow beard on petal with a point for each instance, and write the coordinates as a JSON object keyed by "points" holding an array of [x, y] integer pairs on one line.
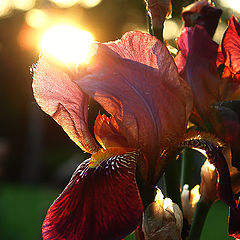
{"points": [[104, 154]]}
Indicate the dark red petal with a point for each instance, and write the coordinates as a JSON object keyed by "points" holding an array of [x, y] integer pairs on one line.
{"points": [[201, 70], [225, 193], [220, 58], [184, 43], [231, 46], [139, 96], [63, 100], [101, 203], [203, 14], [209, 19], [230, 115], [188, 11]]}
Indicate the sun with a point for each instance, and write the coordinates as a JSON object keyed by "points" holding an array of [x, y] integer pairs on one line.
{"points": [[67, 44]]}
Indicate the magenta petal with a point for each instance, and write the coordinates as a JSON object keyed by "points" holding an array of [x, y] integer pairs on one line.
{"points": [[63, 100], [139, 96], [231, 46], [202, 72], [101, 203], [184, 43]]}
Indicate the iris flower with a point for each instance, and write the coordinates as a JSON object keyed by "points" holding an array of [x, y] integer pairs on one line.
{"points": [[136, 81], [197, 62]]}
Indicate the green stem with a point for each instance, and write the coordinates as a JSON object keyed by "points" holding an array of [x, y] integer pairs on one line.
{"points": [[186, 167], [172, 183], [199, 218]]}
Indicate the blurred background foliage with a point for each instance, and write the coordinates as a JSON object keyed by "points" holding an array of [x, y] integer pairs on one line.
{"points": [[36, 157]]}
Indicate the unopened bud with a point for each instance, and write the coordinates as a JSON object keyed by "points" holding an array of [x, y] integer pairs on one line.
{"points": [[202, 13], [189, 201], [162, 219], [159, 10], [208, 181]]}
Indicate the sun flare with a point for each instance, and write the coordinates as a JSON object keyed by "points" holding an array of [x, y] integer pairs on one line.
{"points": [[67, 44]]}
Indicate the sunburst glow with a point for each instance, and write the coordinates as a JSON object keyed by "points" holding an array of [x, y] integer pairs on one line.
{"points": [[67, 44]]}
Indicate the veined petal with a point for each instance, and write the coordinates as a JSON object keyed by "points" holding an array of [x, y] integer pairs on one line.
{"points": [[100, 203], [139, 95], [231, 46], [142, 48], [63, 100]]}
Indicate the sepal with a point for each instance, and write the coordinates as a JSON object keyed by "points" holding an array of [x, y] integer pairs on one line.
{"points": [[98, 203]]}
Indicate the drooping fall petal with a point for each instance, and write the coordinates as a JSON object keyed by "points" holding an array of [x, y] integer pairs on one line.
{"points": [[226, 195], [63, 100], [101, 203], [224, 189], [136, 86], [201, 70]]}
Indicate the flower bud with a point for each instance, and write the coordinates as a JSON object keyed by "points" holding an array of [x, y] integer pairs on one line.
{"points": [[162, 219], [203, 13], [159, 10], [208, 181], [189, 201]]}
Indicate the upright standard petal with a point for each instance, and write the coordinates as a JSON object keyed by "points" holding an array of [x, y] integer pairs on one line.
{"points": [[201, 70], [100, 203], [184, 43], [63, 100], [136, 85]]}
